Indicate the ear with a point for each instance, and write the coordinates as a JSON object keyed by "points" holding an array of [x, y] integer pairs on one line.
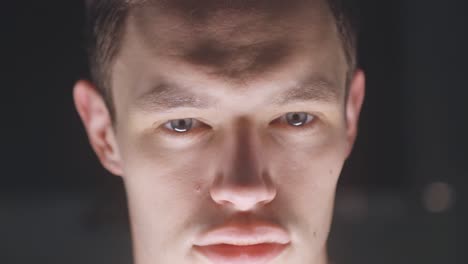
{"points": [[353, 106], [98, 124]]}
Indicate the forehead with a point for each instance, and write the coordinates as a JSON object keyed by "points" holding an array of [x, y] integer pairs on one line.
{"points": [[234, 41]]}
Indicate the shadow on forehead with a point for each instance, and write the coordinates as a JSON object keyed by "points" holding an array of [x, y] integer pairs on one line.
{"points": [[202, 10], [237, 39], [237, 62], [229, 39]]}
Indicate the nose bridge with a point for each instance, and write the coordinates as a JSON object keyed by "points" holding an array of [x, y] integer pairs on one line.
{"points": [[242, 180], [246, 160]]}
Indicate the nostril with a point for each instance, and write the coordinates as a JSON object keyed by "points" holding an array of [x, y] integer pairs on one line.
{"points": [[242, 196]]}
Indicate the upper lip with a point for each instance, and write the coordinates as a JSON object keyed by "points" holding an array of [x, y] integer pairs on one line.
{"points": [[244, 234]]}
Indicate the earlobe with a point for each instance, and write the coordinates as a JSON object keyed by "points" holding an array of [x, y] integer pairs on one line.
{"points": [[353, 105], [98, 124]]}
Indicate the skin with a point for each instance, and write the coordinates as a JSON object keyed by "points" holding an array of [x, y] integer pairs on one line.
{"points": [[229, 67]]}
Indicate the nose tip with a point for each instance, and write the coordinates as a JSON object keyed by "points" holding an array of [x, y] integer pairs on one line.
{"points": [[243, 197]]}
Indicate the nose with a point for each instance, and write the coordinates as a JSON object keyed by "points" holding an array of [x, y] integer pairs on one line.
{"points": [[242, 181]]}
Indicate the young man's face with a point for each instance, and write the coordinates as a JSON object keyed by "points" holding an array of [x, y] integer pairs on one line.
{"points": [[227, 116]]}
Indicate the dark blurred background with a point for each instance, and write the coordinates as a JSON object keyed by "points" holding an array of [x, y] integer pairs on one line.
{"points": [[401, 198]]}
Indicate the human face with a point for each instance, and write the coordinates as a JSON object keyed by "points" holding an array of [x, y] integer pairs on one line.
{"points": [[231, 80]]}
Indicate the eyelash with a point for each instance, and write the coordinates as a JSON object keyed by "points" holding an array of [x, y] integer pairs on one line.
{"points": [[311, 120]]}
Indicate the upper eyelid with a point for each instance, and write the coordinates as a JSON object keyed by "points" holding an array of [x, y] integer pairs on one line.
{"points": [[284, 115]]}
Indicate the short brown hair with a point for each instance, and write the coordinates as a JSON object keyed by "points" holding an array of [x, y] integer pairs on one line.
{"points": [[106, 19]]}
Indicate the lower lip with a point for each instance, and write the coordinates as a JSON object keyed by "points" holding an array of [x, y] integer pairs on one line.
{"points": [[252, 254]]}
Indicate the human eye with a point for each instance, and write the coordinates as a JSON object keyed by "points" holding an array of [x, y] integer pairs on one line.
{"points": [[295, 120], [182, 127]]}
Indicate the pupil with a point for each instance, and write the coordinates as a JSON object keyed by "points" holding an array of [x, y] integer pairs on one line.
{"points": [[297, 119], [181, 125]]}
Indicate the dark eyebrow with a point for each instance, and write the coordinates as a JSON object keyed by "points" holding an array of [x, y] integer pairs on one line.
{"points": [[166, 96], [314, 89]]}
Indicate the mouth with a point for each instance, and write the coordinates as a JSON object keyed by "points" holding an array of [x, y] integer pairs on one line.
{"points": [[252, 242]]}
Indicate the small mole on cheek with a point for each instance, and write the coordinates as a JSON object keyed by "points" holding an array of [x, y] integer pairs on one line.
{"points": [[331, 172], [315, 233], [198, 188]]}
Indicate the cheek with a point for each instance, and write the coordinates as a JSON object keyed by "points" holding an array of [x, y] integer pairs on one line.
{"points": [[175, 174], [308, 173], [313, 171], [168, 177], [163, 189], [306, 180]]}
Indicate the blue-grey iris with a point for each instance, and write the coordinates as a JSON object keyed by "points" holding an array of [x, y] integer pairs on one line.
{"points": [[181, 125], [296, 119]]}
